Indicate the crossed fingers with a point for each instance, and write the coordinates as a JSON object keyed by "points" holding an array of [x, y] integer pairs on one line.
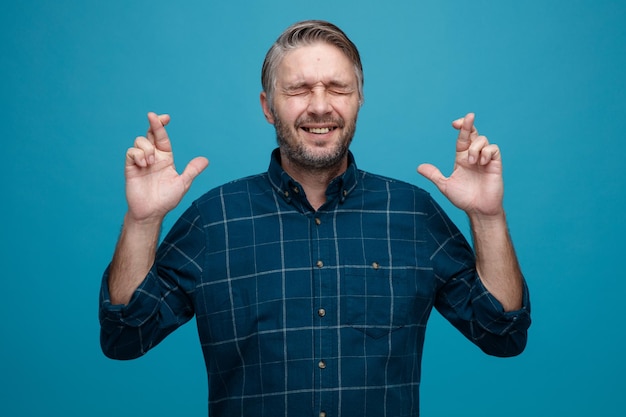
{"points": [[143, 152], [479, 150]]}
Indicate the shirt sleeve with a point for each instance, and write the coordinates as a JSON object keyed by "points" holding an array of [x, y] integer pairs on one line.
{"points": [[469, 306], [163, 301], [463, 299]]}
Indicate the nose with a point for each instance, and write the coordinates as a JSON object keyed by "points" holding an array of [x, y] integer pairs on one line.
{"points": [[319, 102]]}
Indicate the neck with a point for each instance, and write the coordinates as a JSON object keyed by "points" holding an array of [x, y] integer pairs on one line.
{"points": [[315, 181]]}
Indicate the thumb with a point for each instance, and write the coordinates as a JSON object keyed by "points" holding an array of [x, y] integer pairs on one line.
{"points": [[193, 169], [432, 173]]}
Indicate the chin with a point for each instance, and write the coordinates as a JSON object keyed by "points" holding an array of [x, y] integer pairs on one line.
{"points": [[322, 158]]}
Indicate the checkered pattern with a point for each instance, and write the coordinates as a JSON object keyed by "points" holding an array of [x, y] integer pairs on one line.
{"points": [[308, 313]]}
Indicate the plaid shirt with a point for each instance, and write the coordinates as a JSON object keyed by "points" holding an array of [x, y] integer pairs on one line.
{"points": [[312, 313]]}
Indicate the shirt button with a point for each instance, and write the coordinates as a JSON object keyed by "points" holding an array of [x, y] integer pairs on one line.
{"points": [[321, 312], [319, 264], [322, 413], [318, 221], [375, 265], [321, 364]]}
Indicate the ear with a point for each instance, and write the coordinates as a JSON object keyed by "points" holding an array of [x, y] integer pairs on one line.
{"points": [[266, 108]]}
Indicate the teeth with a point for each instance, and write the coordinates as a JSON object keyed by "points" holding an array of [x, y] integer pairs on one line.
{"points": [[319, 130]]}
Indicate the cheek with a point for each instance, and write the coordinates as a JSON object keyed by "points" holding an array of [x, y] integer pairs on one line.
{"points": [[347, 108], [290, 111]]}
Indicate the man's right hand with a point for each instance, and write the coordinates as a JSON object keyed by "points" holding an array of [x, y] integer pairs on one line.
{"points": [[153, 187]]}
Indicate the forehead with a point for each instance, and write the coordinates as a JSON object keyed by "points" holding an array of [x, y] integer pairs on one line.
{"points": [[318, 62]]}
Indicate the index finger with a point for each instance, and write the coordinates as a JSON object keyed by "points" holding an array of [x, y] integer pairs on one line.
{"points": [[157, 133], [467, 132]]}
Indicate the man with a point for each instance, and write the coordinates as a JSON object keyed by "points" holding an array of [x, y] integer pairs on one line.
{"points": [[312, 283]]}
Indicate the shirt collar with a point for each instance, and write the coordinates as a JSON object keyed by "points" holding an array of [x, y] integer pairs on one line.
{"points": [[338, 190]]}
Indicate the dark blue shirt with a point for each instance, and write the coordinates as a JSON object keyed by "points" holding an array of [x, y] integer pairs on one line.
{"points": [[308, 313]]}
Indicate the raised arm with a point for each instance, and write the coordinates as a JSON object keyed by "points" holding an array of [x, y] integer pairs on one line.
{"points": [[153, 188], [476, 187]]}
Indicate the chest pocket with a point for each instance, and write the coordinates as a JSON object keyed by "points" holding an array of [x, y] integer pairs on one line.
{"points": [[376, 301]]}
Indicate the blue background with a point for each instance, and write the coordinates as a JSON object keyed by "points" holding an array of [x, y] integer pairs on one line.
{"points": [[547, 80]]}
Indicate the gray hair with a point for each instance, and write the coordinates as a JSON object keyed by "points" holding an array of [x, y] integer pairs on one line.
{"points": [[306, 33]]}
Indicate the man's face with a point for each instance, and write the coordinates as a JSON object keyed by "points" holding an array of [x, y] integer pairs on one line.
{"points": [[316, 102]]}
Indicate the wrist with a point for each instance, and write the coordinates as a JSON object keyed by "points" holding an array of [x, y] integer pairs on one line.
{"points": [[148, 227], [492, 221]]}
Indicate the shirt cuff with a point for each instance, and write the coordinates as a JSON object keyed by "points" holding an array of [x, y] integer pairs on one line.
{"points": [[494, 319], [139, 309]]}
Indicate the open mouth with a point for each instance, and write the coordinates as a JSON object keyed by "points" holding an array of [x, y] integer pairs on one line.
{"points": [[319, 130]]}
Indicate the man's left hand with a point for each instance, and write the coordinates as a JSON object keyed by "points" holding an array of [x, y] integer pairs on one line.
{"points": [[475, 185]]}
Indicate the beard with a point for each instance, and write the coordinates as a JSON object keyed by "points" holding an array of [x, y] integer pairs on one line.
{"points": [[305, 156]]}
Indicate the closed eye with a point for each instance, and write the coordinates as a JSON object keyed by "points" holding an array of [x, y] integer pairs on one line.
{"points": [[340, 91], [297, 92]]}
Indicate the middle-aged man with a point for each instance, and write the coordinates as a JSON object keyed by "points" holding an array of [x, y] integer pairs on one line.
{"points": [[312, 282]]}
